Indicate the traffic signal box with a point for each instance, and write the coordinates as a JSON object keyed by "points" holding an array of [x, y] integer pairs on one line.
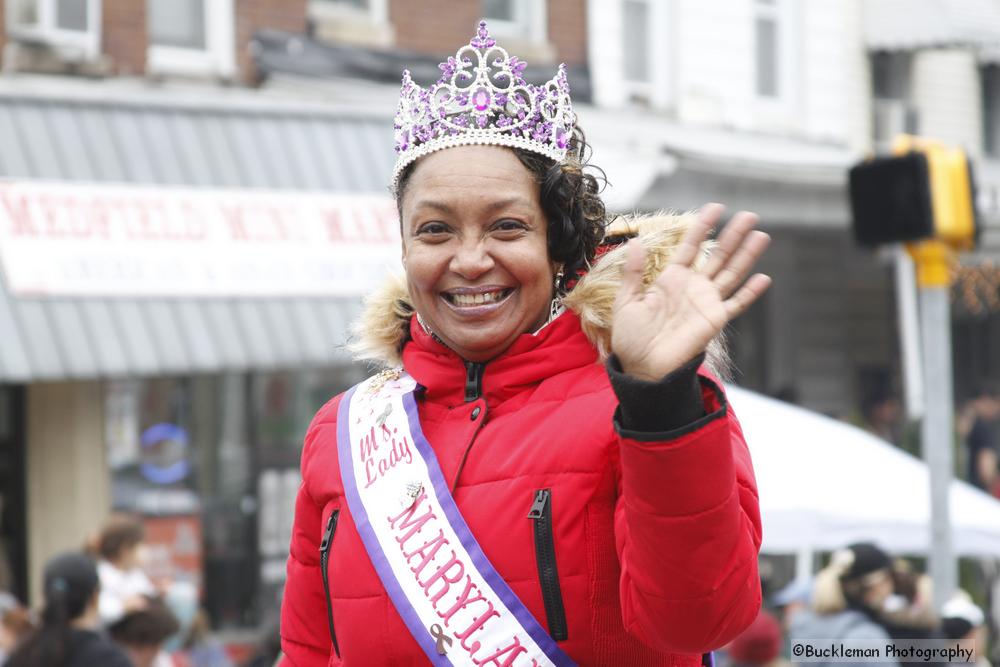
{"points": [[924, 191]]}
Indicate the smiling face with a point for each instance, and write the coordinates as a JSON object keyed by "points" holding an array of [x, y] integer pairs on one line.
{"points": [[475, 249]]}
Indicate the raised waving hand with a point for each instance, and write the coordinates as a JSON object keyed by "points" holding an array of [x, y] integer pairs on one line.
{"points": [[657, 328]]}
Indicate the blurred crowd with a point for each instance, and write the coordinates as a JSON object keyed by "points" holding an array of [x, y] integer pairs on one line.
{"points": [[978, 427], [862, 595], [977, 430], [101, 608]]}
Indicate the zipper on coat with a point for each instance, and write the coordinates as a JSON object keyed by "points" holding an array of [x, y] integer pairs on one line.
{"points": [[545, 553], [324, 559], [473, 380]]}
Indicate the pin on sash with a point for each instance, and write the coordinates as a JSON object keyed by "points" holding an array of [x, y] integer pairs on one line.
{"points": [[410, 494], [385, 415], [442, 639]]}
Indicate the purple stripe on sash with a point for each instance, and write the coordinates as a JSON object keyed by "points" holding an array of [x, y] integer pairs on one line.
{"points": [[457, 521], [361, 521]]}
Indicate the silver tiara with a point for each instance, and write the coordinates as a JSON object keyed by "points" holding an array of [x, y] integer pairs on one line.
{"points": [[482, 98]]}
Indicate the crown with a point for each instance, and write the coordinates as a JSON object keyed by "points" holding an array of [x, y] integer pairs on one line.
{"points": [[482, 98]]}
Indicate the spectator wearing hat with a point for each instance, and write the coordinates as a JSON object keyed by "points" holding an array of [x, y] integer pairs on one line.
{"points": [[847, 597], [759, 645], [68, 636], [961, 619]]}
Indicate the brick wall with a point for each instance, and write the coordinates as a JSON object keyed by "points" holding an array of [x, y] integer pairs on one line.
{"points": [[124, 36], [254, 15], [567, 23], [437, 27]]}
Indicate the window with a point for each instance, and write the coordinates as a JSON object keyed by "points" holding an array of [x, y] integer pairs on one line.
{"points": [[357, 22], [71, 25], [191, 37], [500, 10], [180, 23], [990, 78], [523, 19], [636, 40], [766, 36], [892, 112]]}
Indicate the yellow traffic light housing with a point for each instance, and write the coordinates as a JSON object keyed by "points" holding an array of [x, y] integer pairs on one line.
{"points": [[952, 189]]}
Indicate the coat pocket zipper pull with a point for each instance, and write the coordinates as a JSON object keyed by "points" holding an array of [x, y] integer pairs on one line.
{"points": [[538, 506], [331, 525], [324, 560], [548, 572]]}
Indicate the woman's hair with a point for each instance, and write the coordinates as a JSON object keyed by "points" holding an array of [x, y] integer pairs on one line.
{"points": [[70, 585], [570, 198], [119, 534]]}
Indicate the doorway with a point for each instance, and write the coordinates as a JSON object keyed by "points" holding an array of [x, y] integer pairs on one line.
{"points": [[13, 514]]}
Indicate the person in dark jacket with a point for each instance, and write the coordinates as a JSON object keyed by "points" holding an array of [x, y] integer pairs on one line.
{"points": [[68, 636]]}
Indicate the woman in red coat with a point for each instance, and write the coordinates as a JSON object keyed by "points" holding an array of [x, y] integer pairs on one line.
{"points": [[550, 472]]}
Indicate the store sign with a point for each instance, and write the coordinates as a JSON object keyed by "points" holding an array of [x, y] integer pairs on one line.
{"points": [[67, 239]]}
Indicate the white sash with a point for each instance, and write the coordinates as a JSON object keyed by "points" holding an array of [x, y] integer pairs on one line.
{"points": [[453, 601]]}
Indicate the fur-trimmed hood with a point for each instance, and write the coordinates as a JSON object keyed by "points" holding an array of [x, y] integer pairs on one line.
{"points": [[380, 332]]}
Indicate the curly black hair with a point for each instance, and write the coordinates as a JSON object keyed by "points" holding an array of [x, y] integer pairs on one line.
{"points": [[570, 198]]}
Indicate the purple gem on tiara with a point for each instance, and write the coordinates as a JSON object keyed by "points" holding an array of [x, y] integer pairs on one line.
{"points": [[517, 66], [481, 121], [481, 100], [562, 137], [448, 68], [482, 40]]}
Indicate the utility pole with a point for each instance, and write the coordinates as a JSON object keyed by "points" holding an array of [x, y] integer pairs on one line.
{"points": [[933, 261]]}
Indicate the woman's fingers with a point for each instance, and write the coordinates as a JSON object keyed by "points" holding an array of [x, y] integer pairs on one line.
{"points": [[689, 247], [729, 242], [741, 262], [752, 290], [635, 262]]}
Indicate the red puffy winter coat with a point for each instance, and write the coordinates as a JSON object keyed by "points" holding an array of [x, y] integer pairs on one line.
{"points": [[655, 540]]}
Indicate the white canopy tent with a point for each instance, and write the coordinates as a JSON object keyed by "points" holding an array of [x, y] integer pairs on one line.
{"points": [[824, 484]]}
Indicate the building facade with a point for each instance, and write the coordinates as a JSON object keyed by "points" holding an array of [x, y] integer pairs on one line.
{"points": [[190, 407]]}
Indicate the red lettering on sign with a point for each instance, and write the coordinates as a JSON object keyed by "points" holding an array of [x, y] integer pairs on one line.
{"points": [[19, 213], [334, 226], [237, 225]]}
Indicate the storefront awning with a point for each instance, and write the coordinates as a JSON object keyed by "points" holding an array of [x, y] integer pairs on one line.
{"points": [[77, 134], [904, 25], [785, 195]]}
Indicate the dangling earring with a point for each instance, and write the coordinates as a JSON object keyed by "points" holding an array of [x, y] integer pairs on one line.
{"points": [[556, 308]]}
